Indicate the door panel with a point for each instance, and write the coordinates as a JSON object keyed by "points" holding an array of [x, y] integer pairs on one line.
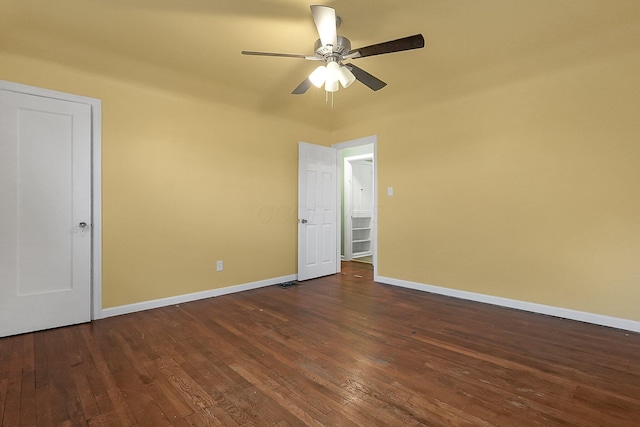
{"points": [[317, 211], [45, 193]]}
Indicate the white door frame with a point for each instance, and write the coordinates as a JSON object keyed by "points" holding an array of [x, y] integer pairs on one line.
{"points": [[96, 180], [367, 140]]}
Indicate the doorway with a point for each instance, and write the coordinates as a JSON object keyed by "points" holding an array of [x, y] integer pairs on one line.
{"points": [[358, 200]]}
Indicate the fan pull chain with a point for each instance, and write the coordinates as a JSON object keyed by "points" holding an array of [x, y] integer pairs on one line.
{"points": [[326, 98]]}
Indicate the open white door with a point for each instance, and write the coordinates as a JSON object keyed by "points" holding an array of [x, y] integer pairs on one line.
{"points": [[45, 213], [317, 211]]}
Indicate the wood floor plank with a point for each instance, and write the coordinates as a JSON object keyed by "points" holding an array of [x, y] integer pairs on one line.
{"points": [[336, 351], [105, 420], [4, 385], [62, 355], [304, 412], [12, 400], [28, 388], [113, 393], [196, 397], [220, 408]]}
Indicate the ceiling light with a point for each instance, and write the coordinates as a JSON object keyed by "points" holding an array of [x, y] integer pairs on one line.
{"points": [[332, 76], [318, 76], [346, 77]]}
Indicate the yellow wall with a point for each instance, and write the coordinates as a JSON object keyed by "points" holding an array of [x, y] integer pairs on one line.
{"points": [[528, 190], [185, 183], [525, 189]]}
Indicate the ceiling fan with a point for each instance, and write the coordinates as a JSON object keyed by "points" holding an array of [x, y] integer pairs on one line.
{"points": [[334, 50]]}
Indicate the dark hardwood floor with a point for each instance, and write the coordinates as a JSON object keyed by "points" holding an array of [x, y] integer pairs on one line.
{"points": [[336, 351]]}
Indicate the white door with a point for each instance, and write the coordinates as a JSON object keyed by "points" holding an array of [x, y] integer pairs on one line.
{"points": [[45, 213], [362, 185], [317, 211]]}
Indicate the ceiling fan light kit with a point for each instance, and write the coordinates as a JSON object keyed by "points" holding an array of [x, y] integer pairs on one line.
{"points": [[330, 75], [333, 50]]}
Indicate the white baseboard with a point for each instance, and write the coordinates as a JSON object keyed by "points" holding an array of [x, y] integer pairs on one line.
{"points": [[597, 319], [565, 313], [181, 299]]}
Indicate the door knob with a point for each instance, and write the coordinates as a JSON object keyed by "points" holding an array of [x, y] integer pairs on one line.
{"points": [[82, 225], [304, 221]]}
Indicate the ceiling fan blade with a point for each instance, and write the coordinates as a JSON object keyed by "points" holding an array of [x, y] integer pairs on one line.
{"points": [[325, 19], [284, 55], [302, 87], [406, 43], [365, 78]]}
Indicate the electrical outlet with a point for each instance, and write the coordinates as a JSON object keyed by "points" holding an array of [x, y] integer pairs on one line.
{"points": [[219, 266]]}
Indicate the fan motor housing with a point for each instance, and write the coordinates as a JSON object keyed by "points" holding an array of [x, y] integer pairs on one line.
{"points": [[343, 47]]}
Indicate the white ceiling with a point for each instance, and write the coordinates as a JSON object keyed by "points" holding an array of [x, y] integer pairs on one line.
{"points": [[194, 46]]}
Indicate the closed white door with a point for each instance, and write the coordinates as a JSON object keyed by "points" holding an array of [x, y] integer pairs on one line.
{"points": [[362, 186], [317, 211], [45, 213]]}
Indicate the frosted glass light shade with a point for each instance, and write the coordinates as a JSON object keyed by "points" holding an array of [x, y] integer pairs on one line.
{"points": [[333, 67], [318, 76], [346, 77], [331, 85], [333, 76]]}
